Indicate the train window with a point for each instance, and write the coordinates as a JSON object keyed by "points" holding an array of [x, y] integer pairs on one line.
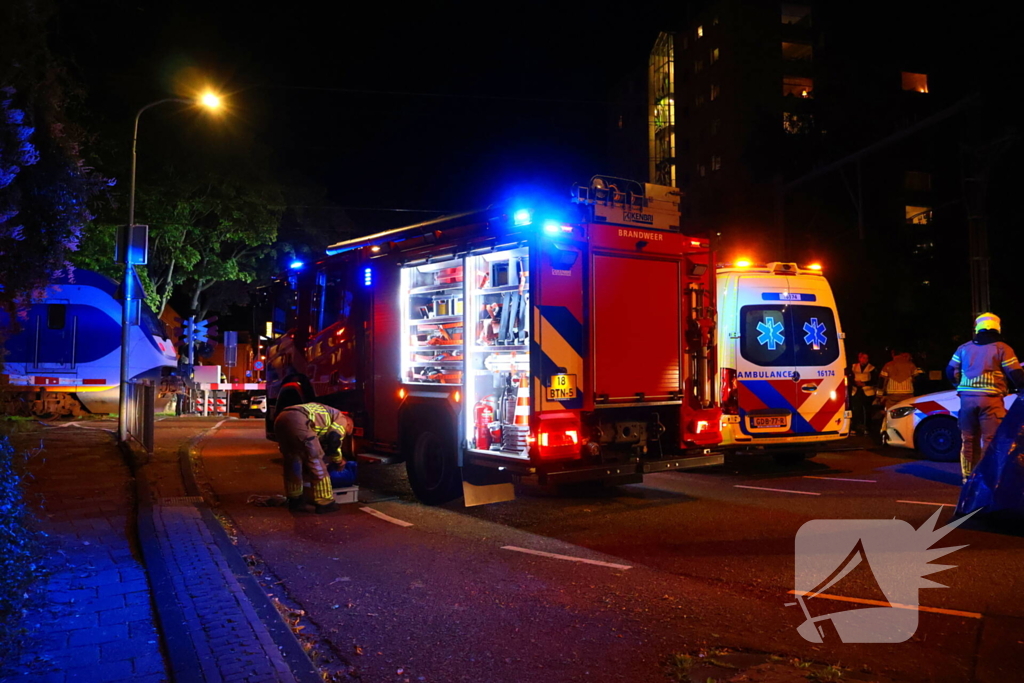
{"points": [[56, 316]]}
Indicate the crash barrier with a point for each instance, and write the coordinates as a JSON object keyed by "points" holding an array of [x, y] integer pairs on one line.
{"points": [[141, 413]]}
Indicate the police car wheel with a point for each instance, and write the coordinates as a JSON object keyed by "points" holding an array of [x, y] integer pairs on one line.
{"points": [[938, 439], [433, 471]]}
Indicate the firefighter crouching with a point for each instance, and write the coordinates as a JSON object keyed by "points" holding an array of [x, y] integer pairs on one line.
{"points": [[302, 431], [979, 370]]}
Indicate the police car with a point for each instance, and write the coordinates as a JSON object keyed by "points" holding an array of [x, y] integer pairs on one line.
{"points": [[927, 423]]}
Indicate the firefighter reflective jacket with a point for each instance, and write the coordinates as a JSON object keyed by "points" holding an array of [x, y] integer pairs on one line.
{"points": [[980, 366], [323, 419]]}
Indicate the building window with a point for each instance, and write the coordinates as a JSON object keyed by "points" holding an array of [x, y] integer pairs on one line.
{"points": [[716, 126], [797, 86], [714, 55], [796, 14], [700, 31], [716, 163], [919, 215], [915, 82], [698, 100], [797, 124], [714, 21], [714, 92], [698, 66], [797, 52], [703, 170], [917, 181]]}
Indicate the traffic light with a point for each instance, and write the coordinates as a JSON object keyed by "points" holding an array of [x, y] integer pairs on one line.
{"points": [[188, 334]]}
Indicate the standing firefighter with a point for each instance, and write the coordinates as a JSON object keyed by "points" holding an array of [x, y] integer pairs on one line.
{"points": [[979, 369], [302, 431]]}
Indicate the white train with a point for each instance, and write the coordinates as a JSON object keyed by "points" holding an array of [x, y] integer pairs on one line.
{"points": [[63, 353]]}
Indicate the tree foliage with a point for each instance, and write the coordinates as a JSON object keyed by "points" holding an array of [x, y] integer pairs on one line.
{"points": [[45, 184], [205, 230]]}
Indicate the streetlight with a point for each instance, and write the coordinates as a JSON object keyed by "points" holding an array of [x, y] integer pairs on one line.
{"points": [[211, 102]]}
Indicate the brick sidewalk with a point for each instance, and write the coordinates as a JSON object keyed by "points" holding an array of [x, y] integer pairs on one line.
{"points": [[92, 619]]}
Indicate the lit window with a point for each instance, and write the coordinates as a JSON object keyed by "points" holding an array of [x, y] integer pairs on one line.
{"points": [[915, 82], [795, 124], [700, 31], [797, 52], [919, 215], [917, 181], [714, 22], [796, 14], [714, 92], [716, 163], [797, 86], [714, 55]]}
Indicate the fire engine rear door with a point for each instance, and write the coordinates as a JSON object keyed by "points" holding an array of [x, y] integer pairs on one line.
{"points": [[637, 323]]}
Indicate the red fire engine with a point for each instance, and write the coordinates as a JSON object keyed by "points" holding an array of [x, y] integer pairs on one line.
{"points": [[563, 342]]}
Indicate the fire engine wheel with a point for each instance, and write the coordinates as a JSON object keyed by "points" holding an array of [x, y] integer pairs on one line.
{"points": [[938, 439], [433, 470]]}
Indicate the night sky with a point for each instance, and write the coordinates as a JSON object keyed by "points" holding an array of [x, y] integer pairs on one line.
{"points": [[423, 107]]}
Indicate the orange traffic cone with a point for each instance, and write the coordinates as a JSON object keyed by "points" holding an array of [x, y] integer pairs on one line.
{"points": [[522, 414]]}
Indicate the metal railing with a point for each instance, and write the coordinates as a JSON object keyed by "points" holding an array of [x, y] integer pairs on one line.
{"points": [[141, 413]]}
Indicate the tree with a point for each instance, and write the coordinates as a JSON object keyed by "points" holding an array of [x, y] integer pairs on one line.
{"points": [[205, 230], [45, 184]]}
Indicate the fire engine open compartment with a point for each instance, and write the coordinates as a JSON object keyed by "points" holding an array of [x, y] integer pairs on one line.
{"points": [[433, 322], [498, 376]]}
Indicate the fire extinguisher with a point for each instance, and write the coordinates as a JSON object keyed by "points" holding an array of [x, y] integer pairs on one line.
{"points": [[483, 415]]}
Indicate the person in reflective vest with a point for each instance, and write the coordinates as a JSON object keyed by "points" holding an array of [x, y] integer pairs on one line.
{"points": [[862, 392], [979, 370], [897, 378], [301, 432]]}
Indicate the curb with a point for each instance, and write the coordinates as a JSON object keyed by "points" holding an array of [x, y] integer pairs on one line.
{"points": [[291, 650], [179, 652]]}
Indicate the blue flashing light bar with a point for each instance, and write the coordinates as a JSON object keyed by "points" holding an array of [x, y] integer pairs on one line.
{"points": [[552, 227], [296, 265], [367, 277], [522, 217]]}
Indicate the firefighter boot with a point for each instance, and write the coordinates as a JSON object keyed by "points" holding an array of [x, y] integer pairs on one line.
{"points": [[296, 504], [327, 509]]}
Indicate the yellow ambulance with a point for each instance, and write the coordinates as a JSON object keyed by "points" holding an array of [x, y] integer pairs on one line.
{"points": [[781, 359]]}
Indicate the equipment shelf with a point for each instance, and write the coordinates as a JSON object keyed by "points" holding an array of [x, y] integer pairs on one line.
{"points": [[498, 290], [429, 289], [440, 320], [499, 349]]}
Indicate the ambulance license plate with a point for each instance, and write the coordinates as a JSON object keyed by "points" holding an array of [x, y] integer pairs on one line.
{"points": [[561, 387], [768, 421]]}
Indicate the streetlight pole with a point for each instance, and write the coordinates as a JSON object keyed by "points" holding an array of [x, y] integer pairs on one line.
{"points": [[210, 101]]}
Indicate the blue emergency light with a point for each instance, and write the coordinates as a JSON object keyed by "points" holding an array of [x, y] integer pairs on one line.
{"points": [[296, 265], [522, 217], [367, 277]]}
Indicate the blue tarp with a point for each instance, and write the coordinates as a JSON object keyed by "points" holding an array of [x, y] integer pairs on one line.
{"points": [[997, 484]]}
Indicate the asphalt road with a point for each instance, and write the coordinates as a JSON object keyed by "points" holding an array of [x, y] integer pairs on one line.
{"points": [[683, 561]]}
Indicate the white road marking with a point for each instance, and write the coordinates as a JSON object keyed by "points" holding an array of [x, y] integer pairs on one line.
{"points": [[387, 518], [214, 427], [924, 502], [570, 558], [866, 481], [763, 488], [935, 610]]}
